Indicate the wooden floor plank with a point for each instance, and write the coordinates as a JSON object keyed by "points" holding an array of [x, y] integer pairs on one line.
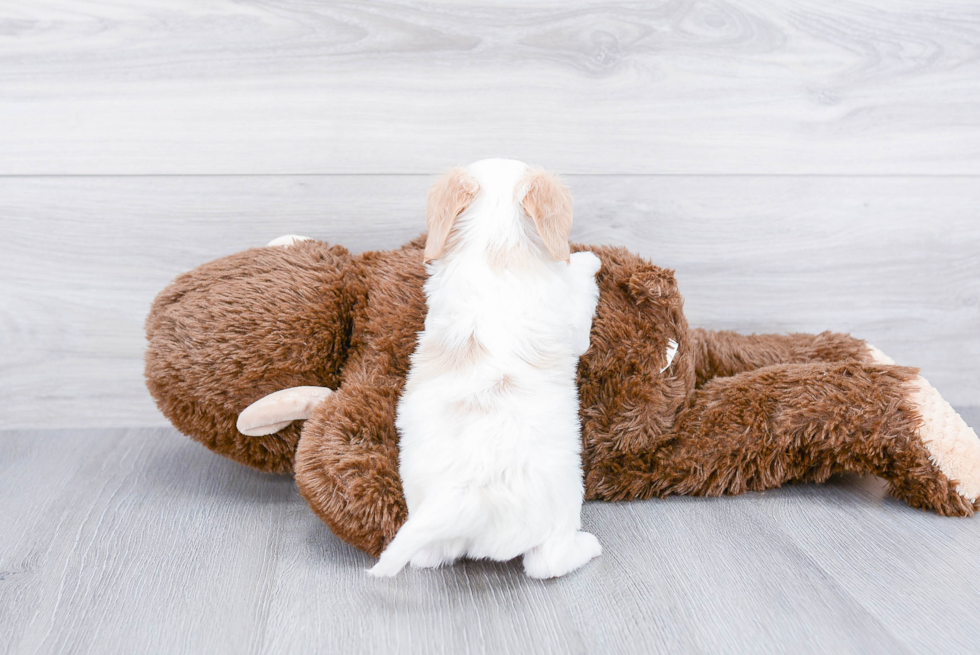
{"points": [[138, 540], [803, 167], [895, 261], [123, 563], [902, 578], [302, 86]]}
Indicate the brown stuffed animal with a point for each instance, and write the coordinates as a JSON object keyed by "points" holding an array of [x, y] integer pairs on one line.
{"points": [[665, 409]]}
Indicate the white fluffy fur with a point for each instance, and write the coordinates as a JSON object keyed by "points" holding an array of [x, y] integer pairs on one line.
{"points": [[490, 457]]}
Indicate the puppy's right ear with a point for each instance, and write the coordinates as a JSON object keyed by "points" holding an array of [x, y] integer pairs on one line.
{"points": [[448, 198]]}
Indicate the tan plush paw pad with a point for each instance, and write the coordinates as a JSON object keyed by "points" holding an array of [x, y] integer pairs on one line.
{"points": [[287, 240], [879, 357], [952, 444]]}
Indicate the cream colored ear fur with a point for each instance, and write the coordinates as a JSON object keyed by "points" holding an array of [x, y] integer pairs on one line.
{"points": [[549, 204], [448, 198]]}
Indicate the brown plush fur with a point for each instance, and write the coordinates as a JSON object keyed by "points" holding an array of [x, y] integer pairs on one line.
{"points": [[723, 353], [730, 414], [239, 328]]}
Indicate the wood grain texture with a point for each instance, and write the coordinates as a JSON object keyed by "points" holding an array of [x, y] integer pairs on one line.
{"points": [[581, 86], [816, 168], [892, 260], [138, 540]]}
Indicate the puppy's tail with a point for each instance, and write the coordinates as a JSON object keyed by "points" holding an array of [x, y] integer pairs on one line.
{"points": [[427, 525], [411, 538]]}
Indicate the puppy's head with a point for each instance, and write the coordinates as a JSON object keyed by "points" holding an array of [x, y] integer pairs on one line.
{"points": [[509, 203]]}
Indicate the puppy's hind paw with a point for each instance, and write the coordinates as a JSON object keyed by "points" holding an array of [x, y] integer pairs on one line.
{"points": [[562, 555]]}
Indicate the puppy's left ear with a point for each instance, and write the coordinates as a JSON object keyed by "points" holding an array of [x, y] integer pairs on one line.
{"points": [[549, 204], [448, 198]]}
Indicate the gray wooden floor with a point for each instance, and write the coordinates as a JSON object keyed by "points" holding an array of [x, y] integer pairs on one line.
{"points": [[803, 165], [138, 541]]}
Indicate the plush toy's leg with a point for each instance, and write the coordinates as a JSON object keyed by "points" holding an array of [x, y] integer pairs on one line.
{"points": [[347, 463], [724, 353], [952, 444], [806, 422], [347, 460]]}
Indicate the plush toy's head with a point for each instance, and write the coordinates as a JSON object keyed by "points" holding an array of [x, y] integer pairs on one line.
{"points": [[242, 327]]}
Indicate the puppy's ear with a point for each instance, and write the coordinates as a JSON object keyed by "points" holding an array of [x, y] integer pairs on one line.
{"points": [[549, 203], [448, 198]]}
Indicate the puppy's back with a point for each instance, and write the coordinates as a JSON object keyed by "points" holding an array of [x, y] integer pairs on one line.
{"points": [[488, 420]]}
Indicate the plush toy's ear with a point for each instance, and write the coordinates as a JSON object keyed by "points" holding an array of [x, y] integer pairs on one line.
{"points": [[549, 204], [448, 198], [651, 284], [277, 410]]}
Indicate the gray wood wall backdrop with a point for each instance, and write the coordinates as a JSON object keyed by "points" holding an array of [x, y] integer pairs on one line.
{"points": [[803, 166]]}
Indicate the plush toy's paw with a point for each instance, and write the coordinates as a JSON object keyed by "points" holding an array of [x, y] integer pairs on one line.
{"points": [[287, 240], [561, 555], [277, 410], [952, 444], [879, 357]]}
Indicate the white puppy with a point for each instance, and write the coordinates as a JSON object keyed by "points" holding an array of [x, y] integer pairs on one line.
{"points": [[490, 438]]}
